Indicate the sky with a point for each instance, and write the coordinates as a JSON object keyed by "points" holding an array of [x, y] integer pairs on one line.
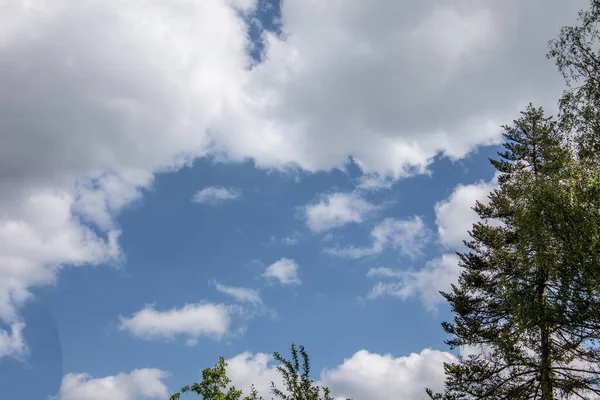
{"points": [[188, 179]]}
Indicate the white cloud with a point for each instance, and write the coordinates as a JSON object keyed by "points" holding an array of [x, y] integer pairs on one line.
{"points": [[407, 236], [13, 344], [425, 283], [35, 246], [240, 293], [373, 182], [247, 369], [284, 270], [146, 383], [192, 320], [118, 91], [373, 376], [365, 375], [215, 194], [384, 272], [455, 216], [395, 83], [337, 209]]}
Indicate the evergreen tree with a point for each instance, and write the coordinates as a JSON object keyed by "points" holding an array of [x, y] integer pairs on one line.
{"points": [[528, 295], [576, 51]]}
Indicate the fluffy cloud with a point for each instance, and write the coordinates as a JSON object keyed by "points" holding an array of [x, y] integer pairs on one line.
{"points": [[337, 209], [455, 215], [373, 376], [284, 270], [240, 293], [139, 384], [407, 236], [425, 283], [395, 83], [13, 343], [215, 194], [97, 97], [365, 375], [35, 246], [192, 320], [247, 369]]}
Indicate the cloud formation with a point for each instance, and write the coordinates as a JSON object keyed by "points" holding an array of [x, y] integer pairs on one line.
{"points": [[425, 283], [97, 97], [139, 384], [455, 216], [337, 209], [392, 85], [285, 271], [240, 293], [214, 195], [407, 236], [12, 344], [374, 182], [192, 321], [258, 369], [364, 375], [374, 376]]}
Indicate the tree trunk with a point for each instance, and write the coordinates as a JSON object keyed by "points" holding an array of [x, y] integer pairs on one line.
{"points": [[546, 381]]}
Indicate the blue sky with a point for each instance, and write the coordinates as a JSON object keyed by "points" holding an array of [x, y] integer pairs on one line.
{"points": [[175, 248], [166, 202]]}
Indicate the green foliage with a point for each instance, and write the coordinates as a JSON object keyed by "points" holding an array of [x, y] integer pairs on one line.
{"points": [[529, 294], [297, 382], [576, 51], [295, 374], [253, 394], [213, 381]]}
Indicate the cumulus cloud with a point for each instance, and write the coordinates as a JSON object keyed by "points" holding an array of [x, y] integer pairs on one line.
{"points": [[97, 97], [374, 376], [240, 293], [455, 215], [394, 83], [248, 369], [214, 195], [407, 236], [12, 343], [425, 283], [337, 209], [192, 320], [139, 384], [284, 270], [364, 375], [45, 238]]}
